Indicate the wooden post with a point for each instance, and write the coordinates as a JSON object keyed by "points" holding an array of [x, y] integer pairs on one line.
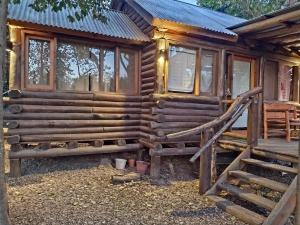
{"points": [[261, 96], [15, 168], [252, 127], [155, 167], [205, 164]]}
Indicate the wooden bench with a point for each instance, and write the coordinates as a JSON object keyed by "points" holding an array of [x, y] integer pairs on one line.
{"points": [[280, 119]]}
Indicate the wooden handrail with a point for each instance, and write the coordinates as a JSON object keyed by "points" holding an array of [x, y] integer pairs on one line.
{"points": [[238, 113], [241, 99]]}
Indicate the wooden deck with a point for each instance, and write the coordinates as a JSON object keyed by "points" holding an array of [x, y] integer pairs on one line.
{"points": [[275, 146], [279, 146]]}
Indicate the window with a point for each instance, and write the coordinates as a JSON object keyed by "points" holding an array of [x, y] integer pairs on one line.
{"points": [[128, 66], [182, 66], [208, 71], [107, 74], [38, 63], [78, 66], [184, 70]]}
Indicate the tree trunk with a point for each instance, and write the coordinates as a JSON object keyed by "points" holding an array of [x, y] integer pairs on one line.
{"points": [[4, 219]]}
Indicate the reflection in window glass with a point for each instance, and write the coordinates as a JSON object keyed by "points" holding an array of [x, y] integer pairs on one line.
{"points": [[107, 77], [182, 63], [127, 71], [207, 71], [77, 66], [38, 62]]}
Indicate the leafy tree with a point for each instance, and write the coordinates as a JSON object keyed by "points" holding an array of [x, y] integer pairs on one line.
{"points": [[245, 8], [83, 8]]}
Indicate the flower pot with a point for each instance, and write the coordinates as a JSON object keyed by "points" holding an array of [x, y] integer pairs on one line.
{"points": [[120, 164], [142, 166], [131, 163]]}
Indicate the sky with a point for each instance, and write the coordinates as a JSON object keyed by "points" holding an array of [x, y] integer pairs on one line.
{"points": [[189, 1]]}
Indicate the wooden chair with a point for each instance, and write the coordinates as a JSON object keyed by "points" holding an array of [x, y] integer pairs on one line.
{"points": [[280, 119]]}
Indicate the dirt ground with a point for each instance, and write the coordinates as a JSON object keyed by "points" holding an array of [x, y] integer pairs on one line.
{"points": [[79, 191]]}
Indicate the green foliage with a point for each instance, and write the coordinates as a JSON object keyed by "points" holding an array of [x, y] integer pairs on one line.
{"points": [[243, 8], [83, 8]]}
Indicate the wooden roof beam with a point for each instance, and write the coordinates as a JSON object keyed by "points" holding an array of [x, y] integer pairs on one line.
{"points": [[267, 23], [292, 43], [289, 29], [295, 50], [285, 39]]}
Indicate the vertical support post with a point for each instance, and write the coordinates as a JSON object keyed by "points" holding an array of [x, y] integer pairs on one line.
{"points": [[161, 65], [15, 168], [261, 96], [155, 167], [205, 165], [252, 127]]}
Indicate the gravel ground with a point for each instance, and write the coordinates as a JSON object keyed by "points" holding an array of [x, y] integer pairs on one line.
{"points": [[86, 196]]}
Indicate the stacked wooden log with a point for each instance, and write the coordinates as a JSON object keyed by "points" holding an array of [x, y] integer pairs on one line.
{"points": [[138, 19], [173, 113], [181, 112], [37, 117], [148, 79], [148, 69]]}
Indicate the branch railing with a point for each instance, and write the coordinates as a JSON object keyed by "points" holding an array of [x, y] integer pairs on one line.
{"points": [[244, 101]]}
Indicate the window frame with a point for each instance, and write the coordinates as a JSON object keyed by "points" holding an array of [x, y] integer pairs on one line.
{"points": [[136, 71], [215, 71], [54, 39], [197, 81], [25, 37]]}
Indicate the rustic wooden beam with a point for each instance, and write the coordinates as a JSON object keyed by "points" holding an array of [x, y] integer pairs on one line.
{"points": [[205, 178], [289, 29], [267, 23], [155, 166], [61, 152]]}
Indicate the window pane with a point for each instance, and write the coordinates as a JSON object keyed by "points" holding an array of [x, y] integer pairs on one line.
{"points": [[127, 71], [241, 77], [207, 71], [182, 62], [77, 66], [107, 76], [38, 62]]}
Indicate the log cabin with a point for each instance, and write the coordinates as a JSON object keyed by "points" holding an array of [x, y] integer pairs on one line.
{"points": [[163, 76]]}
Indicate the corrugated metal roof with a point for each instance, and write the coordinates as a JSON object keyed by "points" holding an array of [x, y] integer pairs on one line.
{"points": [[118, 24], [188, 14]]}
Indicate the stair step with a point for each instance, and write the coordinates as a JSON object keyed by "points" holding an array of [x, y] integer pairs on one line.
{"points": [[271, 166], [248, 196], [239, 212], [251, 178], [235, 135]]}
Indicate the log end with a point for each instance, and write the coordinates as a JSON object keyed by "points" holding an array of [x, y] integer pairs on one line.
{"points": [[11, 124], [15, 94], [13, 139], [15, 109]]}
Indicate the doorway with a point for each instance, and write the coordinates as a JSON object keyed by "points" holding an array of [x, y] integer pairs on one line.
{"points": [[241, 76]]}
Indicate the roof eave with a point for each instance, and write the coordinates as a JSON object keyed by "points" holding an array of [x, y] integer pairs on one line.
{"points": [[267, 19], [188, 29], [91, 35]]}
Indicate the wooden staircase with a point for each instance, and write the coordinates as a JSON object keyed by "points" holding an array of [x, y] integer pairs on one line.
{"points": [[237, 188], [240, 189]]}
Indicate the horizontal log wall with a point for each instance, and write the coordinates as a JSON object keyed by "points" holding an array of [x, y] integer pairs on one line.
{"points": [[37, 117], [174, 113], [148, 80]]}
